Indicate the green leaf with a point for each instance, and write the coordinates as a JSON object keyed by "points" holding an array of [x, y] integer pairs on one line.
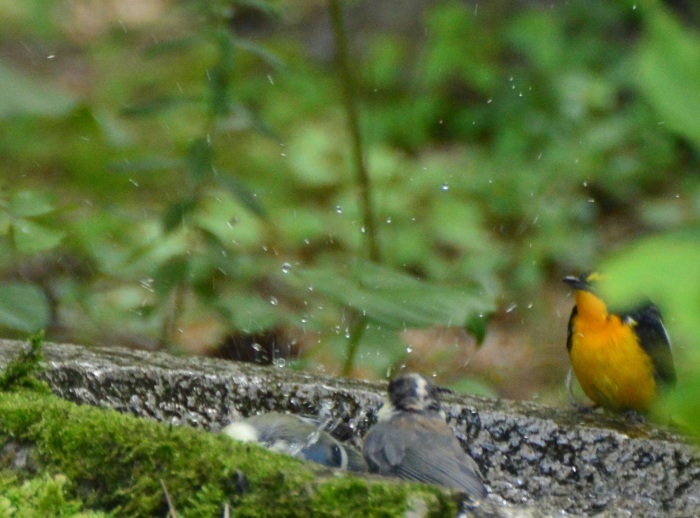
{"points": [[30, 237], [23, 307], [22, 95], [393, 298], [242, 193], [476, 326], [155, 106], [261, 52], [248, 312], [473, 387], [178, 214], [263, 6], [31, 203], [664, 269], [220, 76], [146, 164], [199, 159], [172, 45], [669, 71], [171, 273]]}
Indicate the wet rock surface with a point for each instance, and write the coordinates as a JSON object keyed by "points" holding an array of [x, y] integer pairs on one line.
{"points": [[549, 460]]}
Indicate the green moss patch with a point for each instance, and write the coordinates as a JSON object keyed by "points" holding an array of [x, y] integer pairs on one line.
{"points": [[101, 460]]}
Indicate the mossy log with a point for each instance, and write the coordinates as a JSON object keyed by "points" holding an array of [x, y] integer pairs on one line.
{"points": [[537, 460]]}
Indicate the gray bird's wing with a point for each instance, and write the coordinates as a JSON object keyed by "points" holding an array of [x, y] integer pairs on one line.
{"points": [[424, 450]]}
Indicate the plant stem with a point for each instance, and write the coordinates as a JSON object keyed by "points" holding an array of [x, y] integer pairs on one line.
{"points": [[350, 105], [359, 322]]}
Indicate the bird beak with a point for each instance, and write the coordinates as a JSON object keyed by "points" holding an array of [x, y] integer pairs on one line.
{"points": [[576, 283]]}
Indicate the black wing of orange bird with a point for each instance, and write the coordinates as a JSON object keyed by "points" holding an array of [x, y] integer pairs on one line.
{"points": [[654, 339]]}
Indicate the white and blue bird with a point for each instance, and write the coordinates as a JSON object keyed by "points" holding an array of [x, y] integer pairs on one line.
{"points": [[297, 436]]}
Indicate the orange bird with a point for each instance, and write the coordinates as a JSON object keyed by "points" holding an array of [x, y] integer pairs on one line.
{"points": [[621, 360]]}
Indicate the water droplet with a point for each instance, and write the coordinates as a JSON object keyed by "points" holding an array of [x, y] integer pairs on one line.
{"points": [[445, 186], [286, 267], [585, 183], [338, 209], [489, 101], [273, 301], [233, 222], [279, 362], [529, 306], [388, 220], [409, 349], [362, 229]]}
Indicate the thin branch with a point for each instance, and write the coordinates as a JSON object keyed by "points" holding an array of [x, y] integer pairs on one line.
{"points": [[350, 105]]}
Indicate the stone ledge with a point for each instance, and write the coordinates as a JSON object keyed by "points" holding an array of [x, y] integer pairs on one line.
{"points": [[550, 459]]}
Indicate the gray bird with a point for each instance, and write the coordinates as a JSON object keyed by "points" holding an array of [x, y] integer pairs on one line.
{"points": [[299, 437], [411, 440]]}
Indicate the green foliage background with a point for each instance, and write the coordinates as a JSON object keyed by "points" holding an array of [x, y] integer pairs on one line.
{"points": [[170, 164]]}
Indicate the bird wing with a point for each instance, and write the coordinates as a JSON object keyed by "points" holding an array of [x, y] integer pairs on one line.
{"points": [[570, 329], [654, 340], [423, 450]]}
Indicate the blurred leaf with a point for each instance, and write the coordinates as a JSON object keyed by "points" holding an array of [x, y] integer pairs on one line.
{"points": [[5, 222], [172, 45], [681, 406], [318, 158], [171, 273], [223, 217], [539, 37], [664, 269], [220, 76], [263, 6], [669, 71], [249, 312], [178, 213], [30, 237], [261, 52], [393, 298], [199, 159], [242, 193], [380, 348], [23, 307], [473, 387], [22, 95], [146, 164], [156, 106], [31, 203], [476, 326]]}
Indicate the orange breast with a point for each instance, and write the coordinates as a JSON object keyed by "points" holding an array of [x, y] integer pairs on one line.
{"points": [[612, 368]]}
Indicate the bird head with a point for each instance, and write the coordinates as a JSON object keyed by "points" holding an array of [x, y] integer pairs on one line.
{"points": [[584, 282], [413, 393]]}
